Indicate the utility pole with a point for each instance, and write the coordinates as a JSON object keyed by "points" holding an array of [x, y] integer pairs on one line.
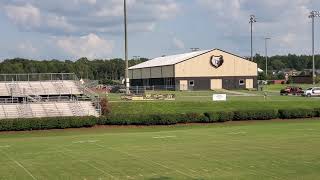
{"points": [[126, 48], [312, 15], [252, 20], [266, 51]]}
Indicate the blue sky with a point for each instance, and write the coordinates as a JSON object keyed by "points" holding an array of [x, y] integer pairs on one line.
{"points": [[70, 29]]}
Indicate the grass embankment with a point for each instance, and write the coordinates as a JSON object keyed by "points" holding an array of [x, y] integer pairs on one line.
{"points": [[200, 107]]}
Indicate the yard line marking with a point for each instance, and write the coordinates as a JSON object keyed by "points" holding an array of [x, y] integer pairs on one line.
{"points": [[20, 165], [87, 163], [104, 172], [5, 146], [159, 164], [87, 141], [163, 137], [26, 170], [235, 133]]}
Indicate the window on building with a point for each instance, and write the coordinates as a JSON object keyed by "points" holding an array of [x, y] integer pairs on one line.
{"points": [[241, 82], [191, 83]]}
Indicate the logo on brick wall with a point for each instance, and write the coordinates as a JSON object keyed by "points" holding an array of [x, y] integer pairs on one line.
{"points": [[216, 61]]}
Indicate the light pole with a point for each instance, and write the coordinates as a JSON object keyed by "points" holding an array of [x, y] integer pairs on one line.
{"points": [[126, 48], [312, 15], [266, 50], [252, 20]]}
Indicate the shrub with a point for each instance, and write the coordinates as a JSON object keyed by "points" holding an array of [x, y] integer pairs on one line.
{"points": [[105, 106], [316, 112], [296, 113], [255, 115], [222, 116], [46, 123], [194, 118]]}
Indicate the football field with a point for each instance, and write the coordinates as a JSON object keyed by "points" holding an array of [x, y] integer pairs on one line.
{"points": [[238, 150]]}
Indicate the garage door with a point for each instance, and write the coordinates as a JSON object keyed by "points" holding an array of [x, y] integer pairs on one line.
{"points": [[249, 83], [183, 85], [216, 84]]}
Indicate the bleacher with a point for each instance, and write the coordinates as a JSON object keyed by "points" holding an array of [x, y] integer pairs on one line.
{"points": [[46, 98], [40, 88], [48, 109]]}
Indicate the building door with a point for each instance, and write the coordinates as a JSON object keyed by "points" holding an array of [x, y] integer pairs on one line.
{"points": [[249, 83], [183, 85], [216, 84]]}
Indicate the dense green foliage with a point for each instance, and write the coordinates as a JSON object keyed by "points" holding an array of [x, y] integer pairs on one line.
{"points": [[297, 113], [290, 61], [104, 70], [153, 119], [46, 123], [262, 114]]}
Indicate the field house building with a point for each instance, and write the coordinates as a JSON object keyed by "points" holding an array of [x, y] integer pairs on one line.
{"points": [[200, 70]]}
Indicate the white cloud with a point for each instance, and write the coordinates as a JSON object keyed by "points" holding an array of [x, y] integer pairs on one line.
{"points": [[60, 22], [91, 46], [178, 43], [285, 21], [26, 15], [27, 48], [88, 16]]}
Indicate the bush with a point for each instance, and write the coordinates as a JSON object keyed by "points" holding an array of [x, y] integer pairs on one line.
{"points": [[105, 106], [194, 118], [219, 116], [297, 113], [46, 123], [255, 115], [316, 112]]}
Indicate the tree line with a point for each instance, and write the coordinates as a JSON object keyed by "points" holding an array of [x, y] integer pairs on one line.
{"points": [[290, 61], [107, 70], [104, 70]]}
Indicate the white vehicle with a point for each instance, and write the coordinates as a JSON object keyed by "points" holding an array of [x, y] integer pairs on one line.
{"points": [[314, 91]]}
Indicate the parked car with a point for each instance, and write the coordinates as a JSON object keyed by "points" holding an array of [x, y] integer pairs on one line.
{"points": [[292, 90], [314, 91]]}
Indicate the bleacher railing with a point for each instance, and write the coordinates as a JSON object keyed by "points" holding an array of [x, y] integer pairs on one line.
{"points": [[38, 77]]}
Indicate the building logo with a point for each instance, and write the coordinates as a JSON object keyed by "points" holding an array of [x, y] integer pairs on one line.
{"points": [[216, 61]]}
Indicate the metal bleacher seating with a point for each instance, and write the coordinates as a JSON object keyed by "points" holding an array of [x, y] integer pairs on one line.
{"points": [[46, 98], [48, 109], [39, 88]]}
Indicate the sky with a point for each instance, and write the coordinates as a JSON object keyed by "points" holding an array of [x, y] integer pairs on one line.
{"points": [[70, 29]]}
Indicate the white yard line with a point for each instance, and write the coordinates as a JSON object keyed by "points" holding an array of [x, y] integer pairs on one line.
{"points": [[26, 170], [163, 137], [87, 163], [159, 164], [20, 165], [104, 172], [5, 146]]}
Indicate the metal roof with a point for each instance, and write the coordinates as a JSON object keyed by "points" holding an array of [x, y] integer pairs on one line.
{"points": [[169, 60]]}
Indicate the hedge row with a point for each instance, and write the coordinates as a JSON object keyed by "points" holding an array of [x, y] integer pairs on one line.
{"points": [[159, 119], [46, 123]]}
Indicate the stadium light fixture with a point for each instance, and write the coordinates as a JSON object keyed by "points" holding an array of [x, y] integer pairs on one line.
{"points": [[126, 48], [252, 20], [313, 14], [266, 51]]}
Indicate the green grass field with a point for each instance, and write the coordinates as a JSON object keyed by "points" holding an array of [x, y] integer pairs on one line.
{"points": [[246, 150], [201, 101]]}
